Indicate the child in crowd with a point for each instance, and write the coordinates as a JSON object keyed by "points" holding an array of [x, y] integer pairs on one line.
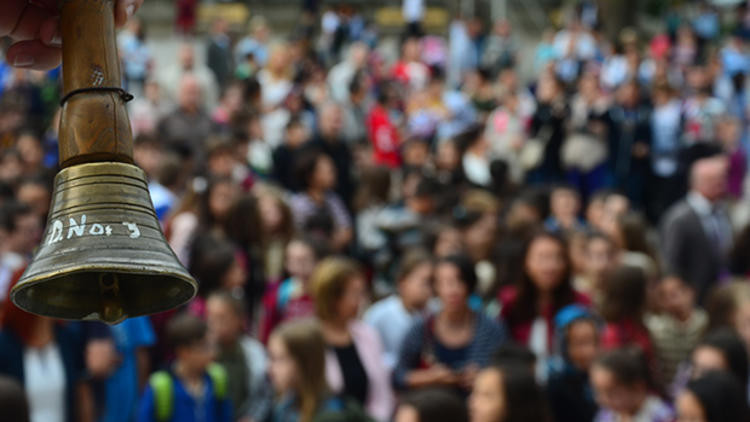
{"points": [[600, 258], [678, 328], [291, 298], [243, 357], [624, 389], [622, 307], [297, 370], [432, 406], [217, 266], [507, 394], [392, 317], [714, 397], [568, 387], [720, 350], [447, 348], [542, 290], [193, 389], [565, 204]]}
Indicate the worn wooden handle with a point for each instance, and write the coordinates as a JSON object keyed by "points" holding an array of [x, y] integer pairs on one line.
{"points": [[94, 125]]}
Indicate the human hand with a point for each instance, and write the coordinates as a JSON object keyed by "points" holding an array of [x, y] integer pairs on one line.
{"points": [[443, 375], [469, 375], [34, 26]]}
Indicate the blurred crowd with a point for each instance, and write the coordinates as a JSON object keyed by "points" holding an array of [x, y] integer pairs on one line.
{"points": [[415, 230]]}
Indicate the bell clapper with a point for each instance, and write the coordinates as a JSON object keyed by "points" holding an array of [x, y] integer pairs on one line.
{"points": [[112, 311]]}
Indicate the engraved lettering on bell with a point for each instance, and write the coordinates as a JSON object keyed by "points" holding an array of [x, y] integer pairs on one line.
{"points": [[75, 228], [55, 232], [135, 233]]}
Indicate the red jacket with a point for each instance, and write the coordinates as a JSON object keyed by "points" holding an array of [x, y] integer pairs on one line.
{"points": [[520, 331], [384, 137]]}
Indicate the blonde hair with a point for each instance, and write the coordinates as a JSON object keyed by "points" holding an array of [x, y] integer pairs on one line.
{"points": [[304, 342], [328, 282]]}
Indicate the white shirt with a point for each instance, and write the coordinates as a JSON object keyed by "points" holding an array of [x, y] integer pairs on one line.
{"points": [[413, 10], [538, 345], [392, 321], [44, 378]]}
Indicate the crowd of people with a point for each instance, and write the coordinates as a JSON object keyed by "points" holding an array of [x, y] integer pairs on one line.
{"points": [[418, 235]]}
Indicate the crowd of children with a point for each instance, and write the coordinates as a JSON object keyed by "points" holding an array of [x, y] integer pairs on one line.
{"points": [[419, 234]]}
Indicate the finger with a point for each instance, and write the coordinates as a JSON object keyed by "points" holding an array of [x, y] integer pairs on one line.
{"points": [[12, 10], [49, 32], [124, 10], [31, 19], [33, 54]]}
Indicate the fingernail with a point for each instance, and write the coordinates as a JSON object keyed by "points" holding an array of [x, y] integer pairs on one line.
{"points": [[23, 60], [130, 9], [56, 40]]}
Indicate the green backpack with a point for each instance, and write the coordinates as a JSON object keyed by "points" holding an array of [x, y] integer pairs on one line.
{"points": [[163, 386]]}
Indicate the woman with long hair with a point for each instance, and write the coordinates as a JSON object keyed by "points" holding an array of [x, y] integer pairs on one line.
{"points": [[204, 209], [448, 348], [354, 357], [508, 393], [297, 369], [543, 289]]}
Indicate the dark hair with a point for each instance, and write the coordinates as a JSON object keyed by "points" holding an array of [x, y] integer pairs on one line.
{"points": [[465, 270], [525, 306], [633, 229], [210, 259], [721, 397], [513, 354], [305, 165], [411, 261], [624, 294], [243, 223], [628, 365], [739, 257], [469, 137], [374, 187], [437, 405], [726, 341], [13, 401], [204, 210], [427, 187], [184, 330], [524, 399], [10, 212]]}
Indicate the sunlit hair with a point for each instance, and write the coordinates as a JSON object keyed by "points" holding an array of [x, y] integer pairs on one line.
{"points": [[304, 343], [329, 281]]}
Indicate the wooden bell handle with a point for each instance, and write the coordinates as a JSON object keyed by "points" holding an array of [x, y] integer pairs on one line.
{"points": [[94, 125]]}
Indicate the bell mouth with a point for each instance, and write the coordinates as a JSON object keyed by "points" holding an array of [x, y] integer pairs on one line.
{"points": [[110, 297]]}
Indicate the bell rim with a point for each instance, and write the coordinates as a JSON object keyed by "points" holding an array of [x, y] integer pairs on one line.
{"points": [[25, 283]]}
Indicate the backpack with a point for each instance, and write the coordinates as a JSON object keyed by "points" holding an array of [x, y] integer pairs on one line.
{"points": [[162, 384], [337, 409]]}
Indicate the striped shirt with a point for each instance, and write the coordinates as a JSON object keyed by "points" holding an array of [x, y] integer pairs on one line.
{"points": [[489, 336], [673, 340]]}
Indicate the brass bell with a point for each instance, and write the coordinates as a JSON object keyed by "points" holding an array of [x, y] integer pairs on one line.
{"points": [[103, 256]]}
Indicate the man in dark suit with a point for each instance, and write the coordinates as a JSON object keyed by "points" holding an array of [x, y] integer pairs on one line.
{"points": [[696, 233]]}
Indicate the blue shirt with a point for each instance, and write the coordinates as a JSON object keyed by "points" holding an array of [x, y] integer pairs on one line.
{"points": [[122, 386], [186, 408]]}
